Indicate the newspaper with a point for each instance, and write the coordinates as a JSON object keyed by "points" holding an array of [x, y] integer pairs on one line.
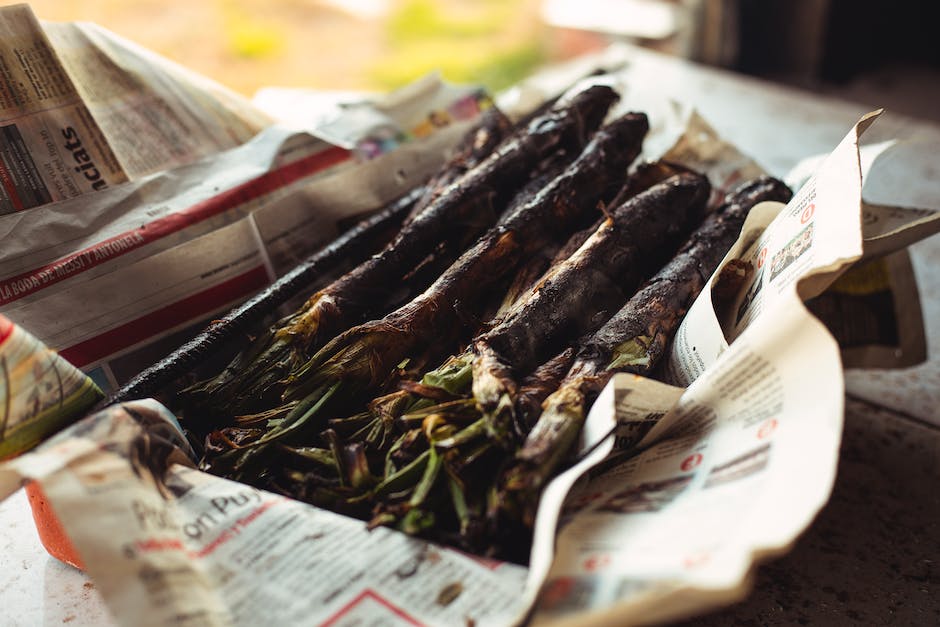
{"points": [[84, 110], [155, 114], [51, 147], [873, 312]]}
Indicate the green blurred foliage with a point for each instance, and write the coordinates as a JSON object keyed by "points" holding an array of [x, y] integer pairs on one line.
{"points": [[248, 37], [416, 20], [247, 44], [475, 42]]}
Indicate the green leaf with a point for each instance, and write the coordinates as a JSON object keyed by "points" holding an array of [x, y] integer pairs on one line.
{"points": [[454, 377], [633, 352]]}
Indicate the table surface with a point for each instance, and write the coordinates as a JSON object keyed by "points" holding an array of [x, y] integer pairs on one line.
{"points": [[873, 554]]}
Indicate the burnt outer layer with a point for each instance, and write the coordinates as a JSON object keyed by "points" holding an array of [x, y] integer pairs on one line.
{"points": [[434, 315], [541, 382], [456, 212], [652, 316], [475, 146], [453, 210], [607, 267], [633, 340], [253, 377]]}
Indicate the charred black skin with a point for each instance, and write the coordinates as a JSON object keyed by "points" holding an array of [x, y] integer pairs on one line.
{"points": [[364, 358], [536, 387], [452, 212], [650, 317], [545, 379], [475, 146], [607, 268], [434, 315], [457, 206], [658, 308]]}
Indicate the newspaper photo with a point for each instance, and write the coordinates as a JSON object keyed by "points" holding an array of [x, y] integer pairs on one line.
{"points": [[40, 392]]}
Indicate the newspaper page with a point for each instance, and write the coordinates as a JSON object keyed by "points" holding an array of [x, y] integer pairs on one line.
{"points": [[51, 147], [886, 165], [873, 309], [169, 545], [40, 392], [171, 250], [155, 114]]}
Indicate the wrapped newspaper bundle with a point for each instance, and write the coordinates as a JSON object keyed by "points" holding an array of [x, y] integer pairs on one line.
{"points": [[752, 440], [744, 440]]}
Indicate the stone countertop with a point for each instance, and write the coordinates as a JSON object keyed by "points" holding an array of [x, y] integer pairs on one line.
{"points": [[873, 554], [37, 589]]}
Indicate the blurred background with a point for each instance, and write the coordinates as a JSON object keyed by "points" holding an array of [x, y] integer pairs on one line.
{"points": [[875, 52]]}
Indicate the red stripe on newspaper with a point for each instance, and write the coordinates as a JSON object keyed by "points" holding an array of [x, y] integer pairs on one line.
{"points": [[26, 283], [189, 308], [233, 531], [10, 187], [344, 611]]}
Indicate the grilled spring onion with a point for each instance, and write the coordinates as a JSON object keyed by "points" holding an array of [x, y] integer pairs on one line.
{"points": [[361, 359], [365, 354], [253, 373], [258, 376], [633, 340], [567, 302], [443, 490]]}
